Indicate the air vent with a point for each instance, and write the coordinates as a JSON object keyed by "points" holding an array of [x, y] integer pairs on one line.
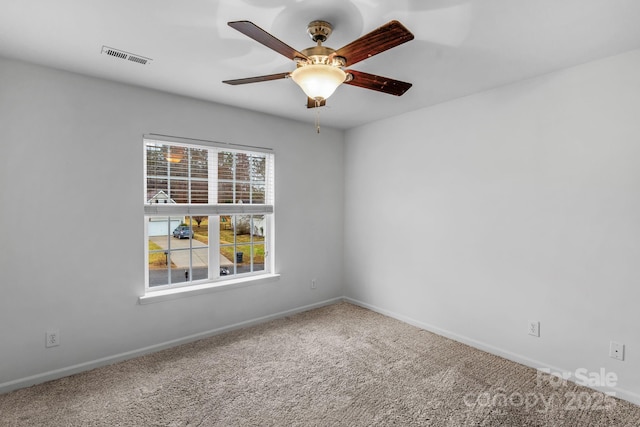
{"points": [[117, 53]]}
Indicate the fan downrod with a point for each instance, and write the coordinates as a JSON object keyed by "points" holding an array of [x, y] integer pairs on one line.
{"points": [[319, 31]]}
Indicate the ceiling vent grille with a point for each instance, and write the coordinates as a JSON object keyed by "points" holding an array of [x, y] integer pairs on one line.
{"points": [[117, 53]]}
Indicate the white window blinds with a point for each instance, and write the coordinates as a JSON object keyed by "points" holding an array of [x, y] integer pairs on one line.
{"points": [[219, 179]]}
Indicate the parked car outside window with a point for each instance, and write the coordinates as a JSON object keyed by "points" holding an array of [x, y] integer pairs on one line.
{"points": [[182, 232]]}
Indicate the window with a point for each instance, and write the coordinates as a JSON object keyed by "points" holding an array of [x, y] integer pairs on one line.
{"points": [[208, 212]]}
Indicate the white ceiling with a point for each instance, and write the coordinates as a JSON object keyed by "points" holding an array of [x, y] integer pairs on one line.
{"points": [[460, 46]]}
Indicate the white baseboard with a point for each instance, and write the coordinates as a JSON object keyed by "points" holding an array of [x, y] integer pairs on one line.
{"points": [[86, 366], [109, 360], [518, 358]]}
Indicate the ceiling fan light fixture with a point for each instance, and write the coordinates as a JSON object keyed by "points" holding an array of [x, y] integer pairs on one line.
{"points": [[318, 81]]}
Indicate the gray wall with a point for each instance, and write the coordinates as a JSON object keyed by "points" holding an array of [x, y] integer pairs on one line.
{"points": [[469, 218], [522, 203], [71, 197]]}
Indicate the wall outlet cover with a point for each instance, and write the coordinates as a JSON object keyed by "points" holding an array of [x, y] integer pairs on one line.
{"points": [[534, 328], [52, 338], [616, 350]]}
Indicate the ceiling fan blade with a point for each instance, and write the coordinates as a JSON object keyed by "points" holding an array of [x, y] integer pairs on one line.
{"points": [[389, 35], [311, 103], [378, 83], [250, 29], [257, 79]]}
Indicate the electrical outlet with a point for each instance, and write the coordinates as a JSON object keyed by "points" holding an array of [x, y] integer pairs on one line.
{"points": [[616, 350], [534, 328], [314, 283], [52, 338]]}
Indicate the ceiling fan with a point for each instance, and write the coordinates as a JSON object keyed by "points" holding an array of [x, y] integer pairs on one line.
{"points": [[319, 69]]}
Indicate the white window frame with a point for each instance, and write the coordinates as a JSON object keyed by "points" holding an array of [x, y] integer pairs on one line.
{"points": [[213, 211]]}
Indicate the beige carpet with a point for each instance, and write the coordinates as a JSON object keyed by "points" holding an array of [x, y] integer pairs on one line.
{"points": [[339, 365]]}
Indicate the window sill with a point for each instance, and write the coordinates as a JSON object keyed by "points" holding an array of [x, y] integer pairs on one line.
{"points": [[188, 291]]}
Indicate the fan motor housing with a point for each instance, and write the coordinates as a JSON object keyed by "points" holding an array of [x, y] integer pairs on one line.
{"points": [[322, 55], [319, 31]]}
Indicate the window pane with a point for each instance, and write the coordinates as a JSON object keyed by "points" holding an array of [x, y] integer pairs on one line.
{"points": [[225, 192], [258, 257], [227, 242], [243, 227], [156, 161], [243, 259], [173, 154], [242, 248], [158, 276], [158, 191], [200, 226], [158, 232], [259, 228], [179, 163], [226, 263], [200, 263], [181, 173], [180, 257], [194, 258], [199, 192], [199, 163], [241, 178], [225, 224], [178, 191], [228, 255], [242, 167], [159, 228], [172, 250], [258, 192], [258, 168], [179, 274], [243, 194], [225, 165]]}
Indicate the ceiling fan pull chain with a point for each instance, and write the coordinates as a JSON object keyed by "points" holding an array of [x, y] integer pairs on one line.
{"points": [[317, 115]]}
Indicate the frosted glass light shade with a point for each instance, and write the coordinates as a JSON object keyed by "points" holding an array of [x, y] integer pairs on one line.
{"points": [[318, 81]]}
